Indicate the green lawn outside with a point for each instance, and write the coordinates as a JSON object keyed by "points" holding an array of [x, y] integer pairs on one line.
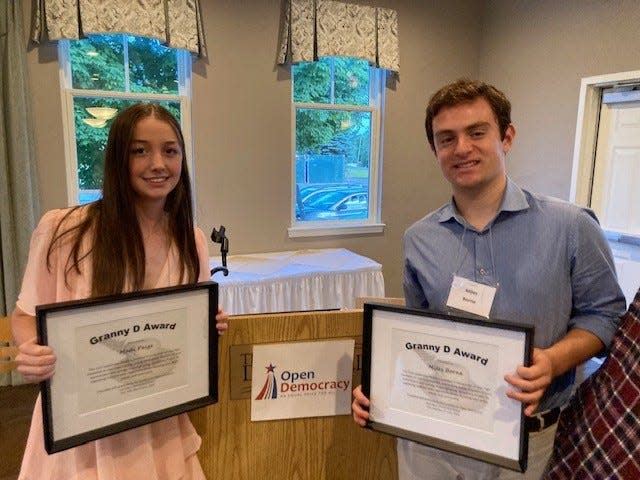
{"points": [[356, 172]]}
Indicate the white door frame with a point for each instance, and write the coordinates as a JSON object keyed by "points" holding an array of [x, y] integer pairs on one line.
{"points": [[587, 130]]}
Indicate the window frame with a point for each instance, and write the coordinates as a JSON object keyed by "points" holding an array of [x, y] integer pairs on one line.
{"points": [[371, 224], [68, 93]]}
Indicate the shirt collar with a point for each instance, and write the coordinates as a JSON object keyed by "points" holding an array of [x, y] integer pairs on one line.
{"points": [[514, 200]]}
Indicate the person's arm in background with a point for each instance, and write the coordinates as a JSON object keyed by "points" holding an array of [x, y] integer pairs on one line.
{"points": [[598, 303]]}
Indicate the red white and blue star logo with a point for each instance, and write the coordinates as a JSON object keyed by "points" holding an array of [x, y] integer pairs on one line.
{"points": [[270, 388]]}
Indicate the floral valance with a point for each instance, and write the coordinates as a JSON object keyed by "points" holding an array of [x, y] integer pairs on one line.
{"points": [[320, 28], [176, 23]]}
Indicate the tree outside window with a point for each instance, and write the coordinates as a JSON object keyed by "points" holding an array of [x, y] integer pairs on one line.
{"points": [[103, 75]]}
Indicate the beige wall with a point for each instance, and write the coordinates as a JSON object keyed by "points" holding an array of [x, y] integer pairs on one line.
{"points": [[537, 51]]}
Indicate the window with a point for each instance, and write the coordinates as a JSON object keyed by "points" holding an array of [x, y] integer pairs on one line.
{"points": [[337, 106], [101, 76]]}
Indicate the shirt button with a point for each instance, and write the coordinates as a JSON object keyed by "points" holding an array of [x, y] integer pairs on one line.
{"points": [[483, 272]]}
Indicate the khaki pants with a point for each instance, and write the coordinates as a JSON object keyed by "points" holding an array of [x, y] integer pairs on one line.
{"points": [[418, 462]]}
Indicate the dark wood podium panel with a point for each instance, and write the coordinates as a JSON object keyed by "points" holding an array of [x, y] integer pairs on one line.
{"points": [[320, 448]]}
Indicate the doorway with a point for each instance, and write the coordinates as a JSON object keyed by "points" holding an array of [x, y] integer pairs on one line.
{"points": [[606, 166]]}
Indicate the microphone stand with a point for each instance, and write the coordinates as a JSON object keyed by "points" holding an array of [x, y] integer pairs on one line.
{"points": [[218, 236]]}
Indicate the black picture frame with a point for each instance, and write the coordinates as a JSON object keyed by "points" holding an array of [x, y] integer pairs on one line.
{"points": [[113, 372], [446, 409]]}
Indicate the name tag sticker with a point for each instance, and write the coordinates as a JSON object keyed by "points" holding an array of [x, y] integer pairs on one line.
{"points": [[471, 296]]}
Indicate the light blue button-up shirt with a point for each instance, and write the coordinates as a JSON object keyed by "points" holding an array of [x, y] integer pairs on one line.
{"points": [[549, 260]]}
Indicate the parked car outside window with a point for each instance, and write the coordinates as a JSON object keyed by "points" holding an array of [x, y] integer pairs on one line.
{"points": [[336, 205]]}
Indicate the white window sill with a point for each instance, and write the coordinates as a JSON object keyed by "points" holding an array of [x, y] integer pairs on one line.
{"points": [[333, 230]]}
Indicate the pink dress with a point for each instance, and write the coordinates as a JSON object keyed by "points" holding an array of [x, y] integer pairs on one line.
{"points": [[164, 450]]}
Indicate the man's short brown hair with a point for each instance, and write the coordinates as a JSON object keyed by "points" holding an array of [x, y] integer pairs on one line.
{"points": [[465, 90]]}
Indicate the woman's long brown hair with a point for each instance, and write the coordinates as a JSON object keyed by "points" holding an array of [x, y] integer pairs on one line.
{"points": [[117, 249]]}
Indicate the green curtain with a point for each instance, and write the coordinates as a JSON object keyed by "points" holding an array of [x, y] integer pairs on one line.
{"points": [[19, 201]]}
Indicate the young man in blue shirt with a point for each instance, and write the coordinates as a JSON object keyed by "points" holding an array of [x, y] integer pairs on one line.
{"points": [[541, 260]]}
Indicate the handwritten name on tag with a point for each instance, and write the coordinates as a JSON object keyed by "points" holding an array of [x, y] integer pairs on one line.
{"points": [[471, 296]]}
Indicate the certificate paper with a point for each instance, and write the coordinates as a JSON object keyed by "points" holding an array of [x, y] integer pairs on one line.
{"points": [[439, 380], [127, 360]]}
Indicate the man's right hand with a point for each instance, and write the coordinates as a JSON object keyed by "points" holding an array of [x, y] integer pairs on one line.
{"points": [[360, 407]]}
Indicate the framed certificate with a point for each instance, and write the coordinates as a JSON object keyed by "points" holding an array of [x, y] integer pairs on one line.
{"points": [[439, 380], [127, 360]]}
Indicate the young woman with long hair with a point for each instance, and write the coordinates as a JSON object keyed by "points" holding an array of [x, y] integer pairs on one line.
{"points": [[139, 235]]}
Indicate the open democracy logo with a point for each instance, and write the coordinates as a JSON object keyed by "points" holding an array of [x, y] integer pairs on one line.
{"points": [[269, 390]]}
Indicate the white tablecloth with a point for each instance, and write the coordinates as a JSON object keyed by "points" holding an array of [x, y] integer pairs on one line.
{"points": [[295, 281]]}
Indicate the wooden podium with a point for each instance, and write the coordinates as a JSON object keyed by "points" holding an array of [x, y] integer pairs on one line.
{"points": [[234, 447]]}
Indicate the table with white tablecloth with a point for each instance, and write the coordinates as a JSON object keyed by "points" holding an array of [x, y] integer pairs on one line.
{"points": [[313, 279]]}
